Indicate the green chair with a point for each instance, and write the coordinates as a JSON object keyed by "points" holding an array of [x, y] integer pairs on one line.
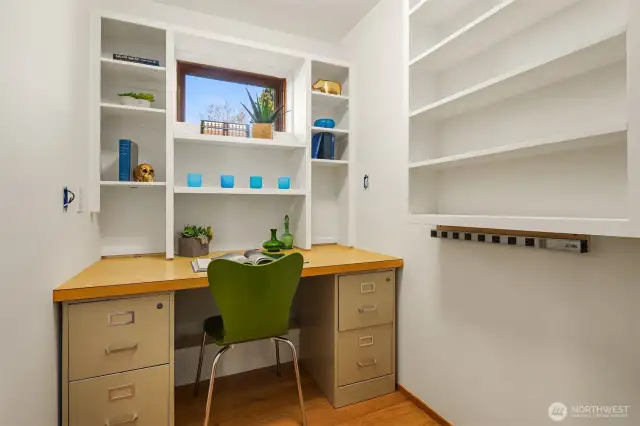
{"points": [[255, 303]]}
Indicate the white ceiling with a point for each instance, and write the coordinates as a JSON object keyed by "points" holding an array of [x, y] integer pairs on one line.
{"points": [[327, 20]]}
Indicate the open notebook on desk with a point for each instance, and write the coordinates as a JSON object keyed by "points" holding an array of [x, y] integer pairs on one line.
{"points": [[249, 257]]}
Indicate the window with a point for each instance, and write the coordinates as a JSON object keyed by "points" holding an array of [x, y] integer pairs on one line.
{"points": [[211, 93]]}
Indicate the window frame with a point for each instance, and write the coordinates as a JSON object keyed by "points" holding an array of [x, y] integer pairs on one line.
{"points": [[279, 85]]}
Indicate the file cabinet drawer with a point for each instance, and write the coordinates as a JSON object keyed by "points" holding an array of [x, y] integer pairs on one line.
{"points": [[365, 300], [136, 398], [365, 354], [118, 335]]}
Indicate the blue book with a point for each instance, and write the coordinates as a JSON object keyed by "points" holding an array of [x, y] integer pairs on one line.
{"points": [[323, 146], [127, 160]]}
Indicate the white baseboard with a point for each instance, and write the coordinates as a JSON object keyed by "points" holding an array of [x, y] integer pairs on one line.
{"points": [[243, 357]]}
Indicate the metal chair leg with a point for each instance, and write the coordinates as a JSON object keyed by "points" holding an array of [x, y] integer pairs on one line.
{"points": [[199, 371], [278, 372], [295, 366], [213, 376]]}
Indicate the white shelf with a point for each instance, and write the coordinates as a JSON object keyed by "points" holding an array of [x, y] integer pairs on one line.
{"points": [[583, 59], [126, 110], [325, 100], [133, 184], [238, 191], [502, 21], [591, 226], [329, 163], [432, 12], [604, 136], [132, 67], [288, 142], [337, 132]]}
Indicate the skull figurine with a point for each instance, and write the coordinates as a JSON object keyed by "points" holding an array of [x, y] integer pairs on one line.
{"points": [[144, 173]]}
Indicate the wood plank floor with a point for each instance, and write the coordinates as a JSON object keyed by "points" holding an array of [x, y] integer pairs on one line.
{"points": [[261, 398]]}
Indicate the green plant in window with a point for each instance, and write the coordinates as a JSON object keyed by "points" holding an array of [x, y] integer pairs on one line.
{"points": [[262, 109], [145, 96], [197, 232]]}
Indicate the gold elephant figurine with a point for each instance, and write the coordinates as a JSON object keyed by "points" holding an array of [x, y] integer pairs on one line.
{"points": [[326, 86]]}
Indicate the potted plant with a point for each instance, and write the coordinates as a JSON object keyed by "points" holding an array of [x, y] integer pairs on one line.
{"points": [[137, 99], [263, 114], [194, 241]]}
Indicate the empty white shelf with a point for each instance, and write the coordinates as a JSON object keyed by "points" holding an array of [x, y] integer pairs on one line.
{"points": [[581, 60], [329, 163], [132, 70], [283, 141], [432, 12], [337, 132], [585, 139], [125, 110], [326, 101], [237, 191], [568, 225], [133, 184], [502, 21]]}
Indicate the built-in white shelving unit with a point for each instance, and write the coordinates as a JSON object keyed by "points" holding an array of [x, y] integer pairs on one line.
{"points": [[332, 214], [519, 115], [137, 218]]}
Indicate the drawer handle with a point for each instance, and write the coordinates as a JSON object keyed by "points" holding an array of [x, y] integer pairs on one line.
{"points": [[368, 363], [365, 341], [367, 308], [367, 288], [133, 419], [109, 350], [131, 318], [116, 394]]}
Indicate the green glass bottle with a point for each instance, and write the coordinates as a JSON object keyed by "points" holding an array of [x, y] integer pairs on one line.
{"points": [[287, 238], [273, 245]]}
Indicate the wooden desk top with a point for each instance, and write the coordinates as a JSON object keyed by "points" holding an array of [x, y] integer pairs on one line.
{"points": [[124, 276]]}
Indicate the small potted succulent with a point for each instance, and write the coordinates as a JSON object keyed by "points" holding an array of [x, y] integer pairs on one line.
{"points": [[263, 114], [137, 99], [194, 241]]}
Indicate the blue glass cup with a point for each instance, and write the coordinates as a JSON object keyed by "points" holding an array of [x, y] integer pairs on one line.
{"points": [[284, 183], [255, 182], [194, 180], [226, 181]]}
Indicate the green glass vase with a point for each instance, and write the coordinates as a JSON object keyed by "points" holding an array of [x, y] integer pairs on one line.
{"points": [[287, 238], [273, 245]]}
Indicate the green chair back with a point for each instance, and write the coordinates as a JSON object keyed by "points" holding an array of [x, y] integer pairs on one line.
{"points": [[254, 301]]}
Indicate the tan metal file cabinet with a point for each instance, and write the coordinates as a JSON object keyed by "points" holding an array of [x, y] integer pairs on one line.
{"points": [[117, 361], [347, 334]]}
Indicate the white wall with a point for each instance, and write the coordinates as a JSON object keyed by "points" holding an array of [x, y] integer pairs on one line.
{"points": [[44, 85], [488, 335]]}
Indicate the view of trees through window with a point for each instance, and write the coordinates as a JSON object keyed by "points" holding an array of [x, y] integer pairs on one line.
{"points": [[209, 99]]}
